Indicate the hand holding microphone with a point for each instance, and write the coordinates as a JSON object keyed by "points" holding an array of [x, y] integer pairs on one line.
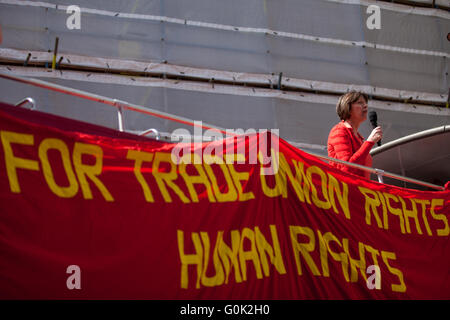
{"points": [[377, 133]]}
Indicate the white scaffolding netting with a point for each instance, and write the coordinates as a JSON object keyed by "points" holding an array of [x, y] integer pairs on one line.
{"points": [[316, 40]]}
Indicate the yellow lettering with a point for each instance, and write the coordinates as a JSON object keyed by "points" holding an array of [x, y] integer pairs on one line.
{"points": [[231, 194], [423, 204], [228, 254], [285, 170], [239, 176], [219, 278], [360, 264], [166, 178], [439, 202], [139, 157], [374, 252], [340, 257], [12, 162], [323, 255], [274, 252], [190, 259], [371, 203], [410, 214], [301, 176], [91, 171], [280, 187], [385, 215], [252, 254], [200, 178], [56, 144], [395, 211], [324, 204], [342, 196], [401, 287], [303, 248]]}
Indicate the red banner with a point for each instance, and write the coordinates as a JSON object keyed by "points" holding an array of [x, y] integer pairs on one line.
{"points": [[90, 213]]}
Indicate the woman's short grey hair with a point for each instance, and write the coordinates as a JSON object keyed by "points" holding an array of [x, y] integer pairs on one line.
{"points": [[344, 104]]}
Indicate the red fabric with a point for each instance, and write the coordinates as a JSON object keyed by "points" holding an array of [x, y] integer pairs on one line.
{"points": [[139, 226], [343, 144]]}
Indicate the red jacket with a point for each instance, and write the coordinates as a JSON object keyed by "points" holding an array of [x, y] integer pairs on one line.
{"points": [[343, 144]]}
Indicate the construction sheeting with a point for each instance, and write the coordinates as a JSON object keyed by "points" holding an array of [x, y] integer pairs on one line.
{"points": [[184, 73], [303, 122], [217, 36], [107, 35]]}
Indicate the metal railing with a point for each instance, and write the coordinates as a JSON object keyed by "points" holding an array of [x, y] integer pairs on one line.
{"points": [[156, 132], [26, 101], [120, 105], [380, 173]]}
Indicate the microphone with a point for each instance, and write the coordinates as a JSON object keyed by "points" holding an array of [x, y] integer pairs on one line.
{"points": [[373, 120]]}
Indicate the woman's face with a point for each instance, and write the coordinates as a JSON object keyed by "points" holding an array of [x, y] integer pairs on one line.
{"points": [[358, 111]]}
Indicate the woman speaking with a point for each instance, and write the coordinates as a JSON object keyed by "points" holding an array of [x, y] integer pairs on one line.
{"points": [[344, 141]]}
